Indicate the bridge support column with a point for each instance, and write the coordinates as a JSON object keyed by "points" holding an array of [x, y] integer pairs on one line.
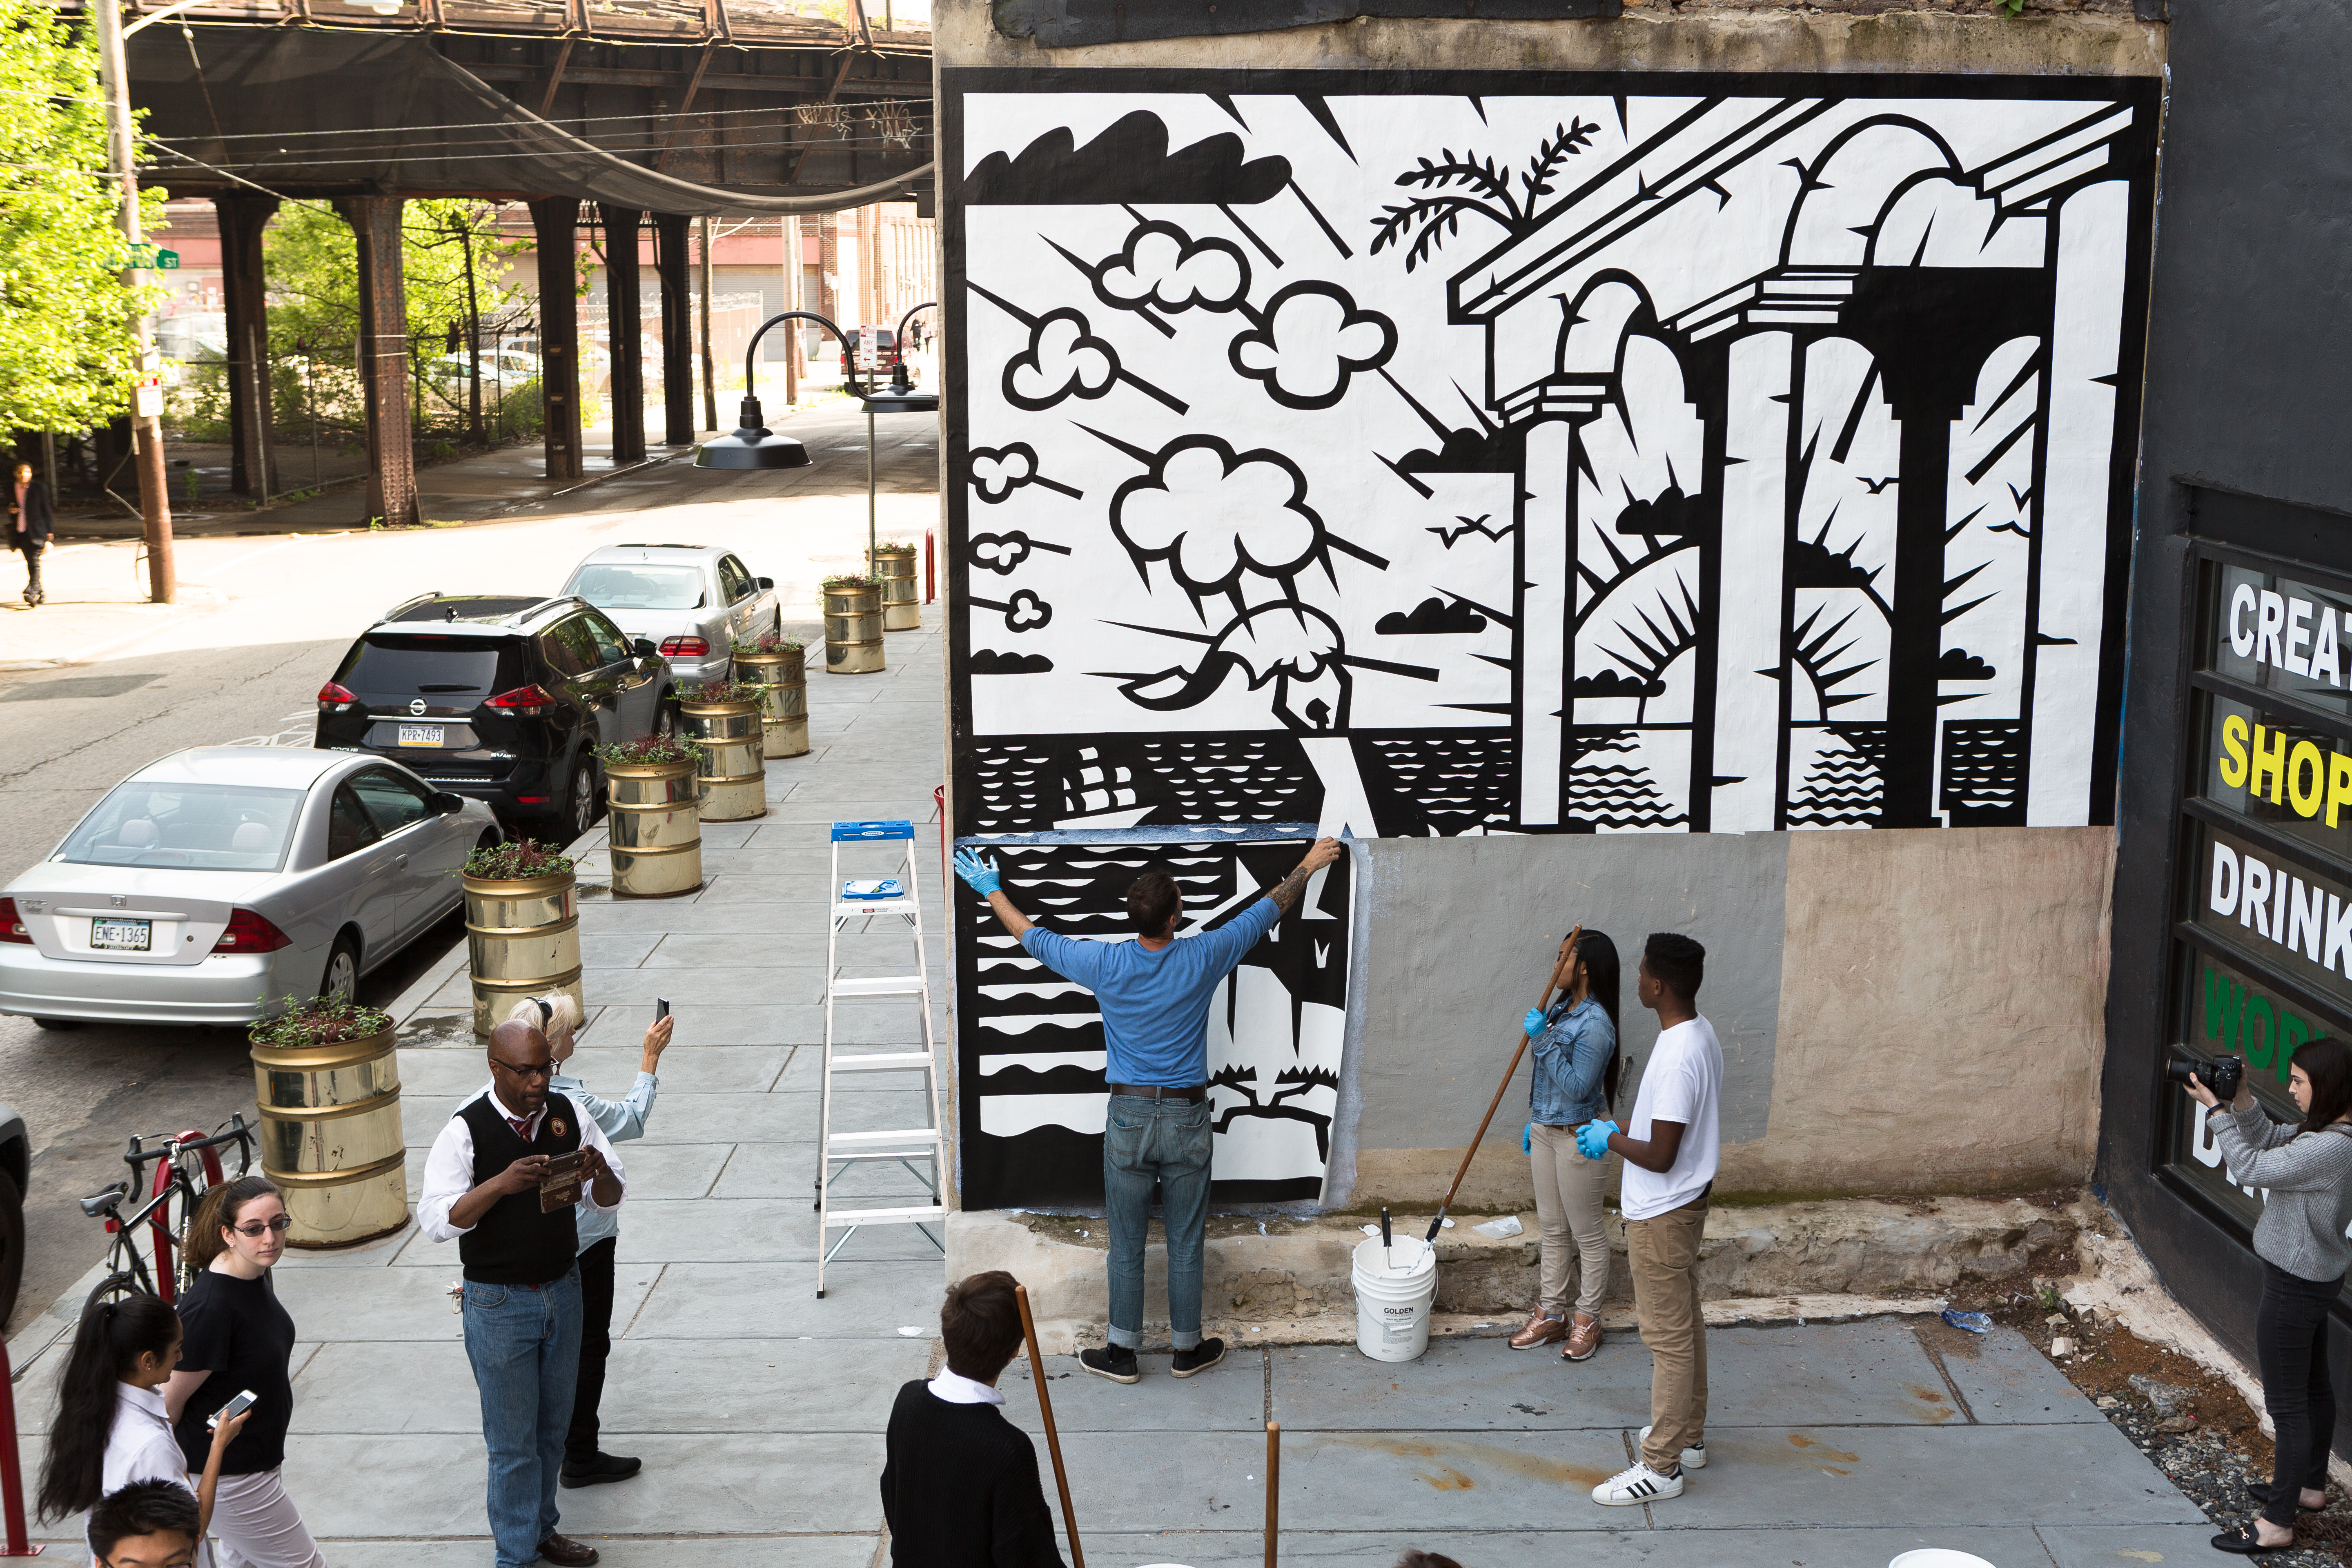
{"points": [[253, 464], [621, 227], [555, 222], [384, 358], [677, 329]]}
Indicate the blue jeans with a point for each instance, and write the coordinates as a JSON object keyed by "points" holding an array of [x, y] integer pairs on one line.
{"points": [[1166, 1139], [524, 1344]]}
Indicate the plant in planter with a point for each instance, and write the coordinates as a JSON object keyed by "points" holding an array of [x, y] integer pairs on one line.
{"points": [[766, 645], [711, 691], [852, 625], [523, 926], [894, 568], [850, 582], [724, 716], [320, 1021], [516, 860], [327, 1078], [777, 662], [655, 829], [650, 750]]}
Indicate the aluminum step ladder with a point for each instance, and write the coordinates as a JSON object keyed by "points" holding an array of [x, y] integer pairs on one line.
{"points": [[863, 900]]}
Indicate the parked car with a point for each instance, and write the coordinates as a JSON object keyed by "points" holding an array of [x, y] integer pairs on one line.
{"points": [[16, 1181], [687, 600], [500, 699], [208, 886]]}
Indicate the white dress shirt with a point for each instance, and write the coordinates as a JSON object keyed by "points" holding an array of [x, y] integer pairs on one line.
{"points": [[958, 1389], [140, 1445], [450, 1168]]}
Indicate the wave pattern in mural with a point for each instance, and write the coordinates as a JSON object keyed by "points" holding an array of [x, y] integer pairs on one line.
{"points": [[1576, 454]]}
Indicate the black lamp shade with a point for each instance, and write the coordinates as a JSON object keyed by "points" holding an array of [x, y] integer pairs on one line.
{"points": [[752, 448], [892, 400]]}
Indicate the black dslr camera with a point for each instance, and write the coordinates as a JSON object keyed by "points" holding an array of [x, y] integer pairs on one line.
{"points": [[2223, 1074]]}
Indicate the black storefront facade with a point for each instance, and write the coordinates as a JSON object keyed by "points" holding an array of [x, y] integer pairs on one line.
{"points": [[2232, 915]]}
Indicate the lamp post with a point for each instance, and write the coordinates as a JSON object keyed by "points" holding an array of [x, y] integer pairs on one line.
{"points": [[754, 446]]}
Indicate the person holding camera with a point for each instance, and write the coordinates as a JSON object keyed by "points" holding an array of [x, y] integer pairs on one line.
{"points": [[2307, 1168]]}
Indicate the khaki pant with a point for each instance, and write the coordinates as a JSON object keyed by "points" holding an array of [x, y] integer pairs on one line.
{"points": [[1575, 1229], [1664, 1252]]}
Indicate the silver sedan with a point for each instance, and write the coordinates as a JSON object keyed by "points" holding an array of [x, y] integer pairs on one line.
{"points": [[210, 887], [691, 601]]}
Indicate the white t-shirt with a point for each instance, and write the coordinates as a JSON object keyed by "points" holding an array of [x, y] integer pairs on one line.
{"points": [[1682, 1083]]}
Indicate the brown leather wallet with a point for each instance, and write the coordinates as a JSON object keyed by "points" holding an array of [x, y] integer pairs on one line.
{"points": [[1153, 1091]]}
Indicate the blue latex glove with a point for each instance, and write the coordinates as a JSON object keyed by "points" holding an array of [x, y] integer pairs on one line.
{"points": [[1533, 1023], [1528, 1139], [1593, 1138], [982, 874]]}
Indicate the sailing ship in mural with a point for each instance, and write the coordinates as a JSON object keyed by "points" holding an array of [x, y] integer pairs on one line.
{"points": [[1753, 454]]}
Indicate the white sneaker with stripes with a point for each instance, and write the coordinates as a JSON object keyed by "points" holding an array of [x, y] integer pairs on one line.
{"points": [[1639, 1485], [1694, 1456]]}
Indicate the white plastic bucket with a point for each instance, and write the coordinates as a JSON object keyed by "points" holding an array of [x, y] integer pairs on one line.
{"points": [[1394, 1285], [1938, 1557]]}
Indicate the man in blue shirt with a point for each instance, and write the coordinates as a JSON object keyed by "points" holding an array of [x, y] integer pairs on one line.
{"points": [[1154, 994]]}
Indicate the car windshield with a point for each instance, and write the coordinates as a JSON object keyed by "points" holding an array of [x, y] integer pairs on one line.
{"points": [[199, 826], [400, 665], [611, 586]]}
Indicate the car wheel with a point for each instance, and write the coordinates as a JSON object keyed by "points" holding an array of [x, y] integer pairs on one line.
{"points": [[12, 1243], [666, 714], [583, 798], [59, 1023], [341, 981]]}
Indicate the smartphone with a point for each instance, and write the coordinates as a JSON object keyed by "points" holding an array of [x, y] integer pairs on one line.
{"points": [[233, 1408], [661, 1009]]}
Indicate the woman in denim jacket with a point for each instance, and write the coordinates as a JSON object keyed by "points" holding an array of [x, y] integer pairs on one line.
{"points": [[1575, 1080]]}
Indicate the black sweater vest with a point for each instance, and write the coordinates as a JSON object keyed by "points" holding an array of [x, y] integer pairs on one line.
{"points": [[514, 1244]]}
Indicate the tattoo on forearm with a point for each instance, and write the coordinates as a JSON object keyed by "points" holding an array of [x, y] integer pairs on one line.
{"points": [[1284, 893]]}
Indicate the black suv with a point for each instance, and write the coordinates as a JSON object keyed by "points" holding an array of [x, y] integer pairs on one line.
{"points": [[499, 699]]}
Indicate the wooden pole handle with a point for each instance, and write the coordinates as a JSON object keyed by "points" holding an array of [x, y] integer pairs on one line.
{"points": [[1566, 955], [1052, 1438], [1273, 1488]]}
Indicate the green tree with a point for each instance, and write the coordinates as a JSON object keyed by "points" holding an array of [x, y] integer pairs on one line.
{"points": [[65, 315]]}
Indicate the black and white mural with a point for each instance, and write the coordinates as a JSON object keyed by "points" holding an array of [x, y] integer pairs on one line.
{"points": [[1598, 455]]}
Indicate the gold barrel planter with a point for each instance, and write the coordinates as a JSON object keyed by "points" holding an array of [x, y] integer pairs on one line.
{"points": [[331, 1134], [853, 626], [734, 775], [522, 937], [894, 568], [655, 830], [782, 674]]}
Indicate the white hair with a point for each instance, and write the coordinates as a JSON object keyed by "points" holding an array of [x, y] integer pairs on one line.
{"points": [[555, 1013]]}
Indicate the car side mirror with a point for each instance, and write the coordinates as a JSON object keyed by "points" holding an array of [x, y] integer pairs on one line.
{"points": [[448, 803], [767, 582], [643, 647]]}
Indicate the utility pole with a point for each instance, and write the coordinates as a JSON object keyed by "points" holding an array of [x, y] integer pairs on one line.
{"points": [[147, 385], [792, 301], [710, 385]]}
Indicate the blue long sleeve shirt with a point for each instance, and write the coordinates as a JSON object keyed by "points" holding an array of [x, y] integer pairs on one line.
{"points": [[621, 1119], [1155, 1005], [1571, 1054]]}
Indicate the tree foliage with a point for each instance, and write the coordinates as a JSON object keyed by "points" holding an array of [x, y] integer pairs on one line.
{"points": [[64, 314]]}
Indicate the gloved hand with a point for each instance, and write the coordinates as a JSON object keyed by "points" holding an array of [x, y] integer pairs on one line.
{"points": [[1528, 1139], [982, 874], [1593, 1138], [1533, 1023]]}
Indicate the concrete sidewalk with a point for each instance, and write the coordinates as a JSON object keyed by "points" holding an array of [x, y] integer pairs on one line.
{"points": [[1833, 1446]]}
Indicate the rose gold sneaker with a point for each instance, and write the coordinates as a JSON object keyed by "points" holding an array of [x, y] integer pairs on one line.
{"points": [[1539, 1330], [1583, 1339]]}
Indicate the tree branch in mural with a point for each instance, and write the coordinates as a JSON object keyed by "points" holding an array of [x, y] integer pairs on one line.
{"points": [[1484, 190]]}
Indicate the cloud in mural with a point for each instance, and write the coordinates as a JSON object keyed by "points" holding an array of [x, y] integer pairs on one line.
{"points": [[1127, 163], [1813, 564], [1310, 339], [1959, 664], [1163, 267], [1616, 683], [998, 471], [1672, 513], [989, 661], [1064, 359], [1432, 617], [1212, 514]]}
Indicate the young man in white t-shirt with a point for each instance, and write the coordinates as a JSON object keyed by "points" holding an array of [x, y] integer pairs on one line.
{"points": [[1671, 1151]]}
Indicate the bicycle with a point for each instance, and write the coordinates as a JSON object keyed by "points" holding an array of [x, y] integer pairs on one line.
{"points": [[186, 1166]]}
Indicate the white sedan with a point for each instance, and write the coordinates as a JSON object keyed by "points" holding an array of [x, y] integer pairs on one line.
{"points": [[210, 887]]}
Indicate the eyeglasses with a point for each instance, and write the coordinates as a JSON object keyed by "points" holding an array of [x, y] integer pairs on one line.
{"points": [[261, 1225], [528, 1069]]}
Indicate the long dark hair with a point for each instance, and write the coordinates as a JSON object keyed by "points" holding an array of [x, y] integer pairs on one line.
{"points": [[1600, 955], [216, 1211], [2327, 1063], [114, 1333]]}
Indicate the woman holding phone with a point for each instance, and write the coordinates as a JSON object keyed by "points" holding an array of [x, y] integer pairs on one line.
{"points": [[557, 1016], [237, 1337], [111, 1429]]}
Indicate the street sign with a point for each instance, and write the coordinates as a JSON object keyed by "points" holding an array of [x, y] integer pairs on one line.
{"points": [[147, 396], [167, 260], [151, 257]]}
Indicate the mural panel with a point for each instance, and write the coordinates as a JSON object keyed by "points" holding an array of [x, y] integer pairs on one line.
{"points": [[1446, 454]]}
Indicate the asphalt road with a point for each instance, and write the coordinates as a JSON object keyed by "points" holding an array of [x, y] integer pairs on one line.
{"points": [[248, 672]]}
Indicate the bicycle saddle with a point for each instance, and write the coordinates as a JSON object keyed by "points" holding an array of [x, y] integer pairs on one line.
{"points": [[96, 1206]]}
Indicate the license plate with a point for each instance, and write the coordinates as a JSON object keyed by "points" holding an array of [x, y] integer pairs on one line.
{"points": [[420, 735], [122, 936]]}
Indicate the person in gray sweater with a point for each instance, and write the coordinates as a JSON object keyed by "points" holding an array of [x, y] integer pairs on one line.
{"points": [[2306, 1168]]}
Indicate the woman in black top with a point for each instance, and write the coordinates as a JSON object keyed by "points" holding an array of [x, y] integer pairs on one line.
{"points": [[236, 1336]]}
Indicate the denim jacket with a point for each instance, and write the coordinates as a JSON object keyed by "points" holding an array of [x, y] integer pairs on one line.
{"points": [[1570, 1055]]}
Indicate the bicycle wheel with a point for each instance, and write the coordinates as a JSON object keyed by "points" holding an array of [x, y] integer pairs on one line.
{"points": [[131, 1281]]}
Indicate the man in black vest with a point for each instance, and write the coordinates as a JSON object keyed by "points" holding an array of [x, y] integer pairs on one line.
{"points": [[522, 1291]]}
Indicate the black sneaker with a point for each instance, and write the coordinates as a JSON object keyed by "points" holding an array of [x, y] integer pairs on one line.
{"points": [[1201, 1358], [598, 1470], [1116, 1363]]}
